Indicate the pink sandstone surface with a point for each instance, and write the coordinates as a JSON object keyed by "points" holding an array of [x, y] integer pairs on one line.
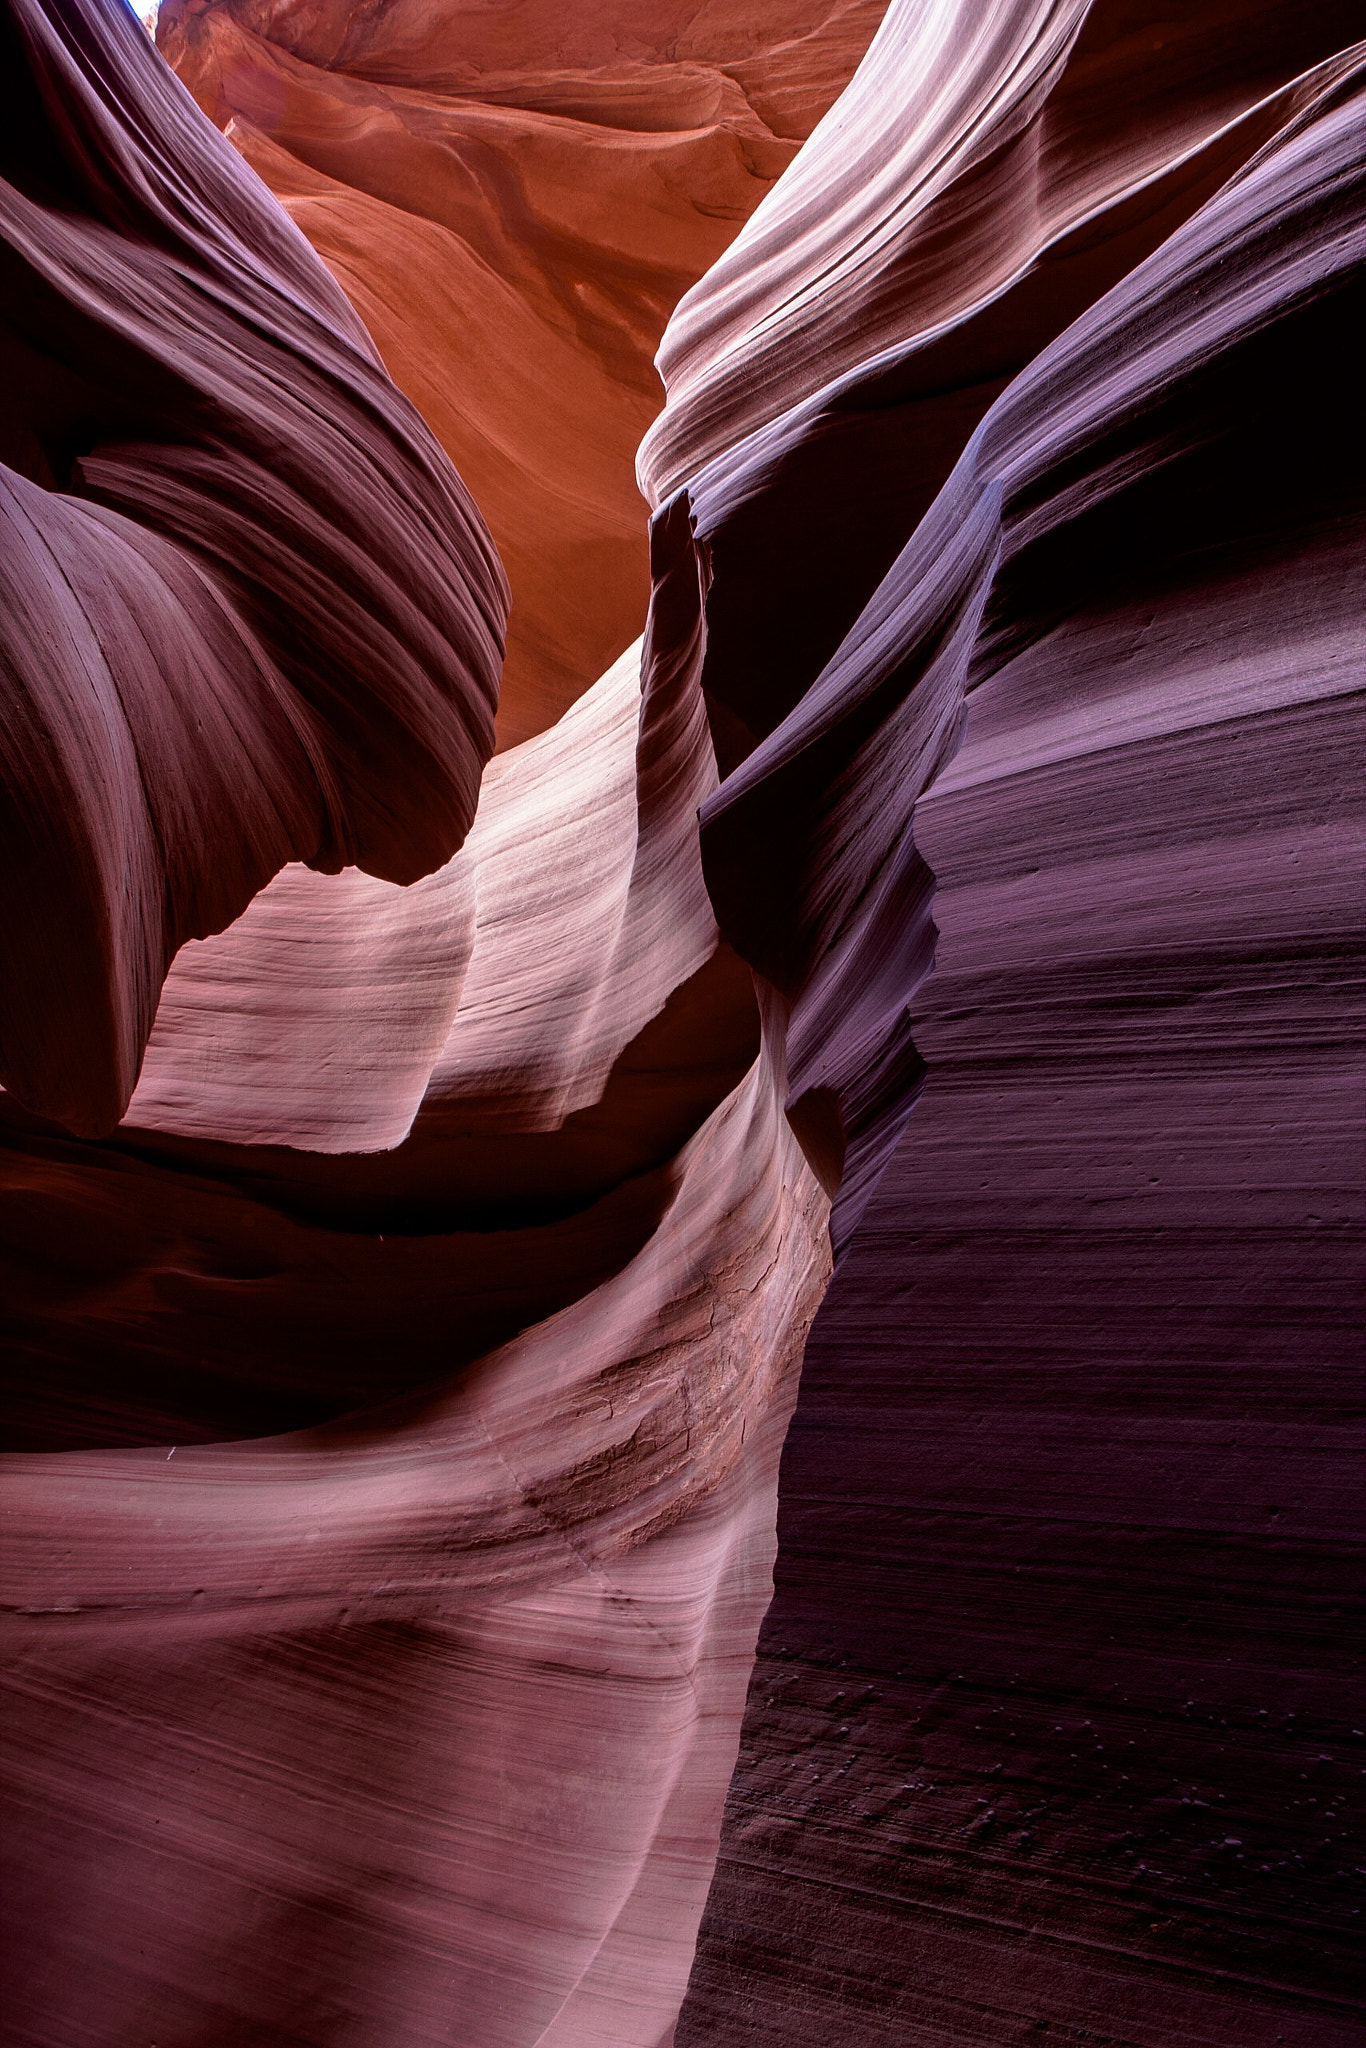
{"points": [[420, 1166]]}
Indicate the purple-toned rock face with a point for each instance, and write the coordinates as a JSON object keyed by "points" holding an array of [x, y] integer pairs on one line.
{"points": [[419, 1171], [1056, 867], [250, 613]]}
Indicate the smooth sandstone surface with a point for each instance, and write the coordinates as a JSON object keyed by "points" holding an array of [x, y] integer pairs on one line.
{"points": [[396, 1393], [251, 614], [514, 199], [419, 1171], [1051, 864], [417, 1729]]}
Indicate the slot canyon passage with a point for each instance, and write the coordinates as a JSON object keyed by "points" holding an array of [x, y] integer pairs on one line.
{"points": [[680, 1151]]}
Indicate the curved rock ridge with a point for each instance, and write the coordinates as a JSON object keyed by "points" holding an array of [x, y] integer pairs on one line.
{"points": [[967, 151], [514, 200], [251, 615], [521, 1042], [541, 1581], [826, 375], [395, 1378], [534, 1567], [1068, 1505], [416, 1354], [1093, 402], [495, 995]]}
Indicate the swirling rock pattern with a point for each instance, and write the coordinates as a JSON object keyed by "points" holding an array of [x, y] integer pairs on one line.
{"points": [[398, 1389], [422, 1725], [413, 1214], [1050, 1727], [514, 199], [250, 613]]}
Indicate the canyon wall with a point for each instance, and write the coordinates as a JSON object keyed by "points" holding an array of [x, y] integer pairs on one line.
{"points": [[406, 1261], [423, 1149], [514, 198], [1044, 822]]}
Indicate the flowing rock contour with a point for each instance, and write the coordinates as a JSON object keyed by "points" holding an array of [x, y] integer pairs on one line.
{"points": [[394, 1397], [250, 614], [413, 1214], [1046, 843], [515, 199]]}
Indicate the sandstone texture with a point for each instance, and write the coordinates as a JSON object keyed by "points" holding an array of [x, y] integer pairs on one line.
{"points": [[406, 1259], [1053, 861], [514, 198], [895, 810]]}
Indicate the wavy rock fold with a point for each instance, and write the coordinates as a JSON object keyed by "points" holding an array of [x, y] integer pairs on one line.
{"points": [[466, 985]]}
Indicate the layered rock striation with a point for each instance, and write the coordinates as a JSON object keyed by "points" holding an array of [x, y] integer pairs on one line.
{"points": [[251, 614], [404, 1294], [419, 1171], [514, 199], [1051, 869]]}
